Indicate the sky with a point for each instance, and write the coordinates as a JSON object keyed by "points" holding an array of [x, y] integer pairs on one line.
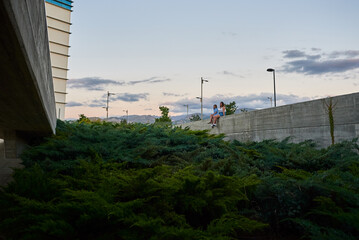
{"points": [[153, 53]]}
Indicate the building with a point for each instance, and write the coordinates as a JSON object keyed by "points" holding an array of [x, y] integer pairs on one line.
{"points": [[58, 14], [27, 99]]}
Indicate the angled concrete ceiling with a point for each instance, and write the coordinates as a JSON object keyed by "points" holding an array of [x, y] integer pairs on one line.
{"points": [[26, 88]]}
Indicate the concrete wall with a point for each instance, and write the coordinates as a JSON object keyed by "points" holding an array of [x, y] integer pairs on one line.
{"points": [[301, 121], [27, 102]]}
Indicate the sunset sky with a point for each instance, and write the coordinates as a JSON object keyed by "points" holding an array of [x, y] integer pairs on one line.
{"points": [[154, 52]]}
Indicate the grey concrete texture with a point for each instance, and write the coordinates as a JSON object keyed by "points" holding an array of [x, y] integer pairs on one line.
{"points": [[27, 101], [7, 166], [300, 121]]}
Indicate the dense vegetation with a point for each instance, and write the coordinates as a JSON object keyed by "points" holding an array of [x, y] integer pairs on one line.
{"points": [[134, 181]]}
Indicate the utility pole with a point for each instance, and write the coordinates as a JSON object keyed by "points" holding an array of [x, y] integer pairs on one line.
{"points": [[271, 101], [186, 105], [202, 80], [107, 102]]}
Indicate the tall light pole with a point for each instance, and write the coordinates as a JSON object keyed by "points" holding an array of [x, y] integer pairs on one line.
{"points": [[271, 101], [202, 80], [107, 102], [126, 114], [186, 105], [275, 96]]}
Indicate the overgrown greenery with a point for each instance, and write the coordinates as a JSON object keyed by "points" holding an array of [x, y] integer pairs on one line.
{"points": [[194, 118], [231, 108], [132, 181], [164, 119], [329, 108]]}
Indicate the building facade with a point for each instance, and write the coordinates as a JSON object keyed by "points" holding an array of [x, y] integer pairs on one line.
{"points": [[58, 14]]}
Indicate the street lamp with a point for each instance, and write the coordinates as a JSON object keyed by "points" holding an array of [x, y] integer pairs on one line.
{"points": [[271, 101], [201, 98], [275, 97], [107, 103], [186, 105]]}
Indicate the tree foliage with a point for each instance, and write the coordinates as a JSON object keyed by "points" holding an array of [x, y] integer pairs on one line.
{"points": [[231, 108], [164, 116], [101, 180], [194, 118]]}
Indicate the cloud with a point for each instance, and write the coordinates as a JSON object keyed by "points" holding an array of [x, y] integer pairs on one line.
{"points": [[293, 54], [316, 49], [255, 101], [74, 104], [231, 34], [174, 94], [92, 83], [334, 62], [349, 53], [130, 97], [97, 103], [228, 73], [149, 80], [299, 54], [125, 97], [312, 67], [99, 84]]}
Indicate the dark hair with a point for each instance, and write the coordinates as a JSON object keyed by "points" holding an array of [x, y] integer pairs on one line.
{"points": [[221, 104], [215, 105]]}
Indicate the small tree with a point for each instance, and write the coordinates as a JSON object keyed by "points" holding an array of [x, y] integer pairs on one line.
{"points": [[164, 116], [83, 119], [194, 118], [231, 108], [330, 107]]}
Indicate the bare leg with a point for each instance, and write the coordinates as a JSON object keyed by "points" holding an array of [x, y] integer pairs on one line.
{"points": [[211, 119], [215, 119]]}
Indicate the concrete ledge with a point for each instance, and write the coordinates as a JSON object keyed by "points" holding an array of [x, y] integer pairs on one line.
{"points": [[300, 121]]}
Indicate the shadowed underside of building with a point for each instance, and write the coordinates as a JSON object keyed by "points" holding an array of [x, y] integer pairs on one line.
{"points": [[27, 102]]}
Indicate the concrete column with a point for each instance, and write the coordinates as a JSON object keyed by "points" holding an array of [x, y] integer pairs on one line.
{"points": [[13, 144], [10, 144]]}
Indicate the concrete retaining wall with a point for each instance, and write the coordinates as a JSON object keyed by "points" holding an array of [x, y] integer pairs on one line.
{"points": [[301, 121]]}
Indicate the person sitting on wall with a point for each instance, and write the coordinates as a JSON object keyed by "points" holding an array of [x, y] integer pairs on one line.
{"points": [[215, 112], [221, 112], [215, 115], [222, 109]]}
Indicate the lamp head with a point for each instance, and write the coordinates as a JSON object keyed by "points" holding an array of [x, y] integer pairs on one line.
{"points": [[270, 70]]}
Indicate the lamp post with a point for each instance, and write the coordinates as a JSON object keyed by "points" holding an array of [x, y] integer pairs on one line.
{"points": [[271, 101], [107, 102], [275, 96], [126, 114], [186, 105], [202, 80], [200, 99]]}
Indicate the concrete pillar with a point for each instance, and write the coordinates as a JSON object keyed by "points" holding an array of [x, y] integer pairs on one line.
{"points": [[13, 144], [2, 152], [10, 143]]}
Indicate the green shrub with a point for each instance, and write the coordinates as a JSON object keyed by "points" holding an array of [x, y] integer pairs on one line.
{"points": [[99, 180]]}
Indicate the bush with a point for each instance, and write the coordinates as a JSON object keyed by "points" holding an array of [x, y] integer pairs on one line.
{"points": [[99, 180]]}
